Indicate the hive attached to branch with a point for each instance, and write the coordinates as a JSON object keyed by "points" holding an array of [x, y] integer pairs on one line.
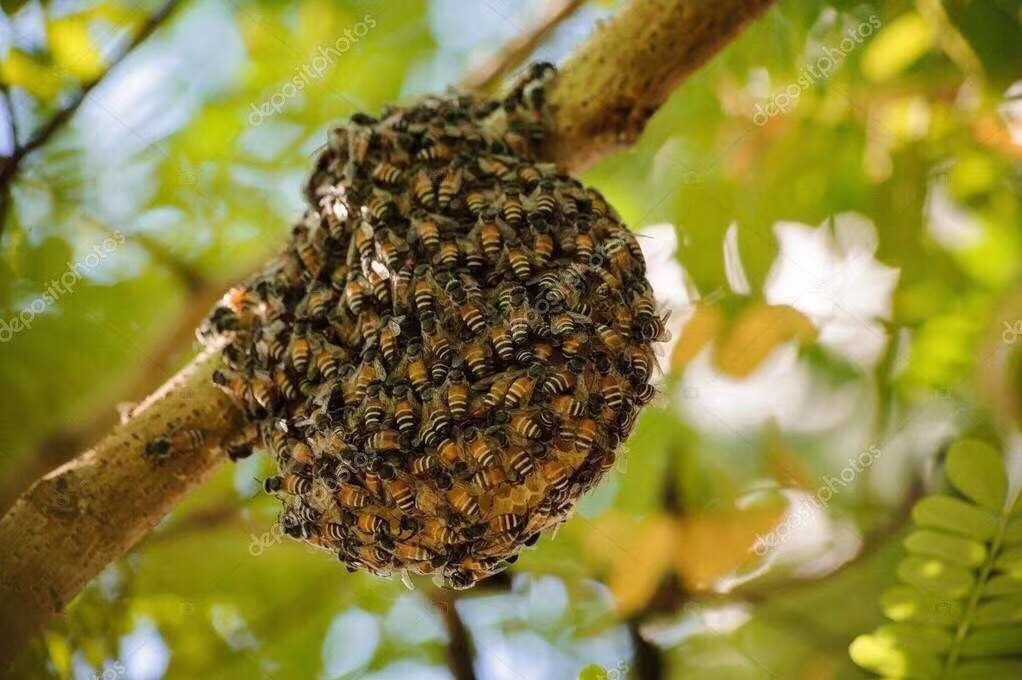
{"points": [[451, 348]]}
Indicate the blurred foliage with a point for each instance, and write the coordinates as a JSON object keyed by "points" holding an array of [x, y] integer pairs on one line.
{"points": [[831, 212]]}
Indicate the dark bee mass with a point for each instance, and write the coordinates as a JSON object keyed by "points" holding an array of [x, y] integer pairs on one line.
{"points": [[452, 346]]}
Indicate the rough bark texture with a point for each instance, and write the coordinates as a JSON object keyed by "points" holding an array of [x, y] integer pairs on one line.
{"points": [[76, 520], [84, 515], [614, 83]]}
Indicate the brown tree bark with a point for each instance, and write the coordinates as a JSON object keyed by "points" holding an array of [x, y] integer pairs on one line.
{"points": [[84, 515]]}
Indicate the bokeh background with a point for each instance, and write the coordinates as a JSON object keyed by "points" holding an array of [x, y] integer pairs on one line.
{"points": [[831, 214]]}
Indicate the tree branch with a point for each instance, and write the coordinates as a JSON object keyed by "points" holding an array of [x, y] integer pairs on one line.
{"points": [[68, 526], [614, 83], [74, 521], [488, 76]]}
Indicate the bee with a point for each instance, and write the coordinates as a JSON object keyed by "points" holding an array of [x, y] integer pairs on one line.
{"points": [[335, 532], [450, 186], [518, 259], [543, 243], [301, 353], [521, 388], [618, 255], [545, 200], [404, 409], [585, 434], [437, 533], [527, 424], [489, 478], [329, 360], [436, 418], [386, 174], [478, 448], [291, 484], [408, 552], [435, 340], [426, 230], [645, 394], [457, 394], [463, 501], [422, 189], [492, 167], [356, 292], [387, 441], [263, 391], [389, 249], [490, 238], [371, 524], [390, 333], [319, 300], [500, 338], [506, 524], [640, 365], [561, 380], [422, 466], [369, 371], [475, 201], [518, 324], [284, 386], [424, 292], [373, 410], [380, 206], [350, 496], [511, 207], [415, 367], [520, 464], [585, 246], [477, 358], [402, 495], [573, 345], [448, 254], [558, 478], [309, 255], [472, 316], [567, 407]]}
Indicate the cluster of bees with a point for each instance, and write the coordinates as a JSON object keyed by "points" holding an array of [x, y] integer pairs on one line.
{"points": [[451, 348]]}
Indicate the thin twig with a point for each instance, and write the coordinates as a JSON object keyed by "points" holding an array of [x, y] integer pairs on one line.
{"points": [[459, 644], [62, 117], [489, 75]]}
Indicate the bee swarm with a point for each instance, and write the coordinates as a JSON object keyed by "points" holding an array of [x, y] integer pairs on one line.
{"points": [[451, 348]]}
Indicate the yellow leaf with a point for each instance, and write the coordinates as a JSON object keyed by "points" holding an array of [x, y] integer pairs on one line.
{"points": [[711, 546], [22, 70], [701, 329], [641, 555], [755, 334], [74, 50], [899, 45]]}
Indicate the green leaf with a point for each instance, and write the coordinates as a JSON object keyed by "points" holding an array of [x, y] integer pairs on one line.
{"points": [[918, 638], [881, 655], [936, 576], [11, 7], [955, 515], [909, 604], [1000, 611], [22, 70], [993, 642], [1004, 584], [901, 43], [74, 50], [977, 470], [988, 669], [1010, 560], [1013, 532], [954, 549], [593, 672]]}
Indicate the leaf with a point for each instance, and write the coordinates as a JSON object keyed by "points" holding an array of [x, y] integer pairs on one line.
{"points": [[706, 322], [11, 7], [757, 331], [900, 44], [998, 611], [1010, 560], [910, 604], [1013, 532], [992, 642], [642, 559], [977, 470], [1005, 584], [916, 637], [711, 546], [885, 657], [954, 549], [988, 669], [74, 50], [21, 69], [951, 514], [936, 576], [593, 672]]}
